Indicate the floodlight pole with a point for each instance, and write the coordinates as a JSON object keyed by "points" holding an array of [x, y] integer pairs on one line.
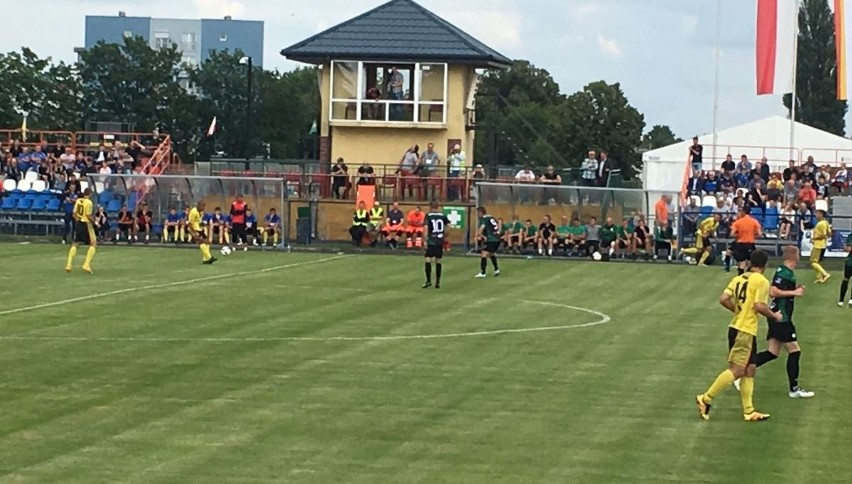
{"points": [[716, 82]]}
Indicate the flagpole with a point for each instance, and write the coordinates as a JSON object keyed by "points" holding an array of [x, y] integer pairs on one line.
{"points": [[793, 97], [716, 81]]}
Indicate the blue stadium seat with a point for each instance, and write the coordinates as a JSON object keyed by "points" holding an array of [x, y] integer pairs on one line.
{"points": [[705, 212], [757, 215], [10, 203], [770, 222], [53, 205], [39, 204], [105, 197], [113, 206], [24, 203], [131, 201]]}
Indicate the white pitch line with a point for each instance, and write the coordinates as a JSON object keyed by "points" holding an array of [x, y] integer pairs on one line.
{"points": [[604, 318], [165, 285]]}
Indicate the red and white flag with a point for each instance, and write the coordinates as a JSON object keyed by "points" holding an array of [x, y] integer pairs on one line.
{"points": [[212, 129], [776, 45]]}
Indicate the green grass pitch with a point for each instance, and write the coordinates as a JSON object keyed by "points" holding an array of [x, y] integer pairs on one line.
{"points": [[322, 368]]}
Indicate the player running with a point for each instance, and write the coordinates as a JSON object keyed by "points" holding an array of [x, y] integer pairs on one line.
{"points": [[847, 272], [197, 233], [703, 246], [84, 232], [783, 333], [437, 226], [489, 233], [747, 295], [820, 235]]}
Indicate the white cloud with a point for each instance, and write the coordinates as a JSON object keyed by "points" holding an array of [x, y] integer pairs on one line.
{"points": [[219, 8], [500, 30], [609, 47], [689, 24]]}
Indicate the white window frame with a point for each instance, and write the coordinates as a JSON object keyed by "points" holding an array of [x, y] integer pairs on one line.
{"points": [[360, 100]]}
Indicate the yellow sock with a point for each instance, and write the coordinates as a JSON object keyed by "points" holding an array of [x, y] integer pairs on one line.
{"points": [[723, 381], [265, 236], [704, 257], [90, 254], [690, 251], [72, 252], [820, 272], [228, 238], [746, 392], [205, 251], [181, 234], [275, 238]]}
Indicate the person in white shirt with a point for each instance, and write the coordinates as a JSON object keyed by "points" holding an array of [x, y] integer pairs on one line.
{"points": [[455, 168], [841, 179], [525, 176]]}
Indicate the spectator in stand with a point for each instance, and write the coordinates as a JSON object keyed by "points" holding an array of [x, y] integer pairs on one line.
{"points": [[238, 220], [761, 168], [727, 184], [69, 196], [728, 166], [593, 238], [105, 171], [394, 228], [15, 148], [102, 224], [756, 197], [217, 228], [711, 184], [407, 164], [11, 170], [807, 195], [789, 171], [589, 169], [552, 179], [791, 189], [806, 218], [825, 172], [841, 179], [340, 180], [546, 236], [663, 239], [430, 161], [144, 222], [822, 188], [525, 176], [273, 226], [530, 237], [24, 159], [102, 155], [456, 163], [415, 219], [171, 226], [774, 189], [690, 216], [38, 156], [366, 174], [125, 225], [744, 168], [695, 185], [785, 224], [725, 215], [809, 170], [696, 153], [478, 173], [605, 166]]}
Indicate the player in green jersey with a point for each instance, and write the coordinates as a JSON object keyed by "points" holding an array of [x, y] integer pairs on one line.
{"points": [[847, 272], [489, 235], [437, 225]]}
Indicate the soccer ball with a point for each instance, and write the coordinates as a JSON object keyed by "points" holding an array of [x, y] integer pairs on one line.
{"points": [[226, 250], [596, 255]]}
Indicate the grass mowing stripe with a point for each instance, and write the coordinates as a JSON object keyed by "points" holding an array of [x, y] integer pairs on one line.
{"points": [[165, 285]]}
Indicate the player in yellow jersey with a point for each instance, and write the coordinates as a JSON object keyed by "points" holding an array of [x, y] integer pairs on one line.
{"points": [[84, 231], [703, 246], [194, 224], [746, 296], [820, 236]]}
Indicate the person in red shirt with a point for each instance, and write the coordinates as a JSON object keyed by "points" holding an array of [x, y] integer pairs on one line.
{"points": [[807, 194], [238, 220]]}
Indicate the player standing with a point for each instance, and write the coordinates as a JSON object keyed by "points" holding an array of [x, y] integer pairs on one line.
{"points": [[84, 232], [745, 231], [847, 272], [783, 333], [747, 295], [197, 233], [437, 225], [489, 232], [820, 235]]}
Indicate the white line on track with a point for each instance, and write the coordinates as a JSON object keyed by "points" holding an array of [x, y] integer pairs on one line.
{"points": [[167, 284], [604, 318]]}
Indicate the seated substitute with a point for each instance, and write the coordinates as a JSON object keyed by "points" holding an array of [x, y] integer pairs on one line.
{"points": [[415, 219], [272, 226], [144, 222], [125, 225], [563, 234], [183, 226], [608, 235], [102, 224], [360, 224], [515, 235], [394, 227], [644, 237], [663, 239], [529, 237], [171, 227], [625, 242], [251, 228], [216, 226], [577, 241], [546, 236], [703, 248]]}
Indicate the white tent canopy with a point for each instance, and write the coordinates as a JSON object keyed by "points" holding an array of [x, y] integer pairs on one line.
{"points": [[663, 168]]}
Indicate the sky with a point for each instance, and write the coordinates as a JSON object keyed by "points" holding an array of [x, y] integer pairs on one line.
{"points": [[661, 51]]}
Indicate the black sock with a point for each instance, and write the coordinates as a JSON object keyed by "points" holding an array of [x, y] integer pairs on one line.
{"points": [[483, 263], [763, 358], [494, 262], [438, 273], [740, 271], [727, 260], [793, 369], [843, 287], [428, 268]]}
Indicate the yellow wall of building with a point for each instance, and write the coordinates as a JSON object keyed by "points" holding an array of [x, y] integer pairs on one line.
{"points": [[386, 145]]}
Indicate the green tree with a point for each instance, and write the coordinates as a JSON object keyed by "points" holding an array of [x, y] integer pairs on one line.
{"points": [[816, 85], [48, 93], [290, 105], [600, 117], [517, 115], [660, 135]]}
